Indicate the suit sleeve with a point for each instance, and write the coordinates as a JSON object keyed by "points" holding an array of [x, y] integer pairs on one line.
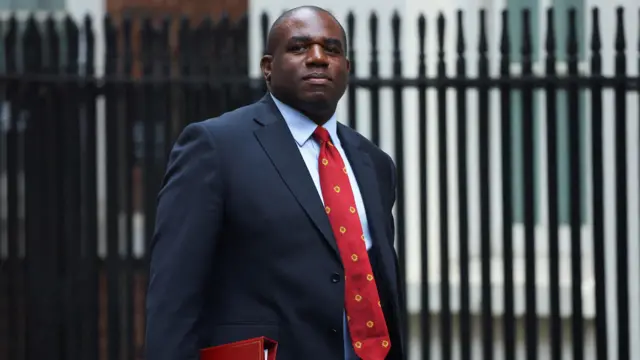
{"points": [[188, 220]]}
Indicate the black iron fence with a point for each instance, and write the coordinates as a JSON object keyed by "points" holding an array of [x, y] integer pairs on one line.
{"points": [[83, 156]]}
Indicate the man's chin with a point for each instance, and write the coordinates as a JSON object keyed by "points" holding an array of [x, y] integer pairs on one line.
{"points": [[316, 100]]}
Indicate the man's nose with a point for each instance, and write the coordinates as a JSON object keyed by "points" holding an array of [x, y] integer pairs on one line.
{"points": [[317, 56]]}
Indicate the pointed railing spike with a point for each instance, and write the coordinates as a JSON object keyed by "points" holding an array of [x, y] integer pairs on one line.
{"points": [[422, 34], [620, 44], [505, 45], [373, 33], [526, 34], [350, 45], [264, 26], [550, 41], [483, 43], [395, 25], [460, 45], [441, 31], [572, 37]]}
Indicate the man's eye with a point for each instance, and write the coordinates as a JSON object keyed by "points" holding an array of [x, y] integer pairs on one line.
{"points": [[297, 48]]}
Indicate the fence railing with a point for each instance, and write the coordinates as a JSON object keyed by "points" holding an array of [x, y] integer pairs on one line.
{"points": [[526, 168]]}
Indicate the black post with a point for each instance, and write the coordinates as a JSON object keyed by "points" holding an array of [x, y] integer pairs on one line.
{"points": [[43, 334], [166, 122], [126, 163], [445, 319], [638, 82], [485, 193], [150, 116], [15, 268], [72, 183], [264, 26], [50, 113], [211, 81], [198, 69], [219, 69], [621, 189], [531, 321], [463, 201], [149, 120], [375, 88], [425, 323], [89, 264], [576, 190], [598, 190], [242, 43], [184, 58], [114, 324], [398, 106], [351, 96], [4, 280], [232, 67], [507, 203], [552, 180]]}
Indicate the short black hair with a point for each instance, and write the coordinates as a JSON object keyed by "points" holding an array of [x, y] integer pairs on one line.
{"points": [[271, 41]]}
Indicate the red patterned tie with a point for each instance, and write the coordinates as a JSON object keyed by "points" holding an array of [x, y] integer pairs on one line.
{"points": [[367, 326]]}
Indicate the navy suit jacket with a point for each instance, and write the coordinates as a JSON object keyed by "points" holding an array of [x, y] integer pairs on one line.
{"points": [[243, 247]]}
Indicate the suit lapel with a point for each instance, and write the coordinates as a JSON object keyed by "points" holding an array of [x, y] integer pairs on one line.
{"points": [[277, 141]]}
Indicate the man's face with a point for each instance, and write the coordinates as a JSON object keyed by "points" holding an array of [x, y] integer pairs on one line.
{"points": [[308, 67]]}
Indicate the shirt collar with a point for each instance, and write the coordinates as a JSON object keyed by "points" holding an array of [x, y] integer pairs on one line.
{"points": [[302, 127]]}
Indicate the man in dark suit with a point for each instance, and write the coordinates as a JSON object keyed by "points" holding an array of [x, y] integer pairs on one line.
{"points": [[276, 220]]}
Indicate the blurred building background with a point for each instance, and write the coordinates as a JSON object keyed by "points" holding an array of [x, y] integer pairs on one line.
{"points": [[453, 305]]}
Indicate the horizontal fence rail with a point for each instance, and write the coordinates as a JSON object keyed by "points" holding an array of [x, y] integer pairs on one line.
{"points": [[630, 83], [508, 179]]}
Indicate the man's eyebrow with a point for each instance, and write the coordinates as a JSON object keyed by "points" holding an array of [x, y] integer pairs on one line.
{"points": [[328, 41], [333, 41], [300, 39]]}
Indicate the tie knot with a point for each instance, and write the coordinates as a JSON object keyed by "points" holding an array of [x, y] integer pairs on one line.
{"points": [[321, 134]]}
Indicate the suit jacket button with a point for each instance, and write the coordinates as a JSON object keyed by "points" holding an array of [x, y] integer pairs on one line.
{"points": [[335, 278]]}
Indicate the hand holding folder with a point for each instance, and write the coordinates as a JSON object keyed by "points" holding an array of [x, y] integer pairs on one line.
{"points": [[259, 348]]}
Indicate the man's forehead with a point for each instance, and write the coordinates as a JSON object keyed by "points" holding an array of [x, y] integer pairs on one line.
{"points": [[308, 22]]}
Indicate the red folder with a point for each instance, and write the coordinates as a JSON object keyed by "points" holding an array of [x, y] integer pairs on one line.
{"points": [[259, 348]]}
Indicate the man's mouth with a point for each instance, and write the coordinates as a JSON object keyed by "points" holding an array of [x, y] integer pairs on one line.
{"points": [[318, 78]]}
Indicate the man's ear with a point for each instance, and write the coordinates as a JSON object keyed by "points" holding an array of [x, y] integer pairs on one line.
{"points": [[348, 65], [265, 66]]}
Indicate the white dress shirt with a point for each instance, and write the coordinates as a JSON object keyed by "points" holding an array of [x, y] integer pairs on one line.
{"points": [[302, 129]]}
